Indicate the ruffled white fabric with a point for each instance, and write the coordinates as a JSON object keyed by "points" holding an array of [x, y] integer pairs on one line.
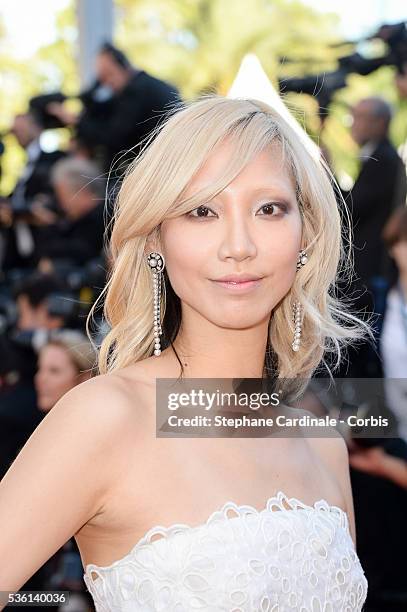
{"points": [[279, 559]]}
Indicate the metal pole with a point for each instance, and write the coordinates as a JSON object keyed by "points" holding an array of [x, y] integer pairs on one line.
{"points": [[95, 25]]}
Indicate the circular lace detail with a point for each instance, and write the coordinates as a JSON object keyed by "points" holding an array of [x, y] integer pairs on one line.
{"points": [[287, 556], [273, 504]]}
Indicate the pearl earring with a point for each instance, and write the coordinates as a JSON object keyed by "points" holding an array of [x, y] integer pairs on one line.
{"points": [[156, 262], [297, 308], [302, 259], [297, 321]]}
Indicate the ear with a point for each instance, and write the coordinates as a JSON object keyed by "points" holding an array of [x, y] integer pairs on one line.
{"points": [[152, 243]]}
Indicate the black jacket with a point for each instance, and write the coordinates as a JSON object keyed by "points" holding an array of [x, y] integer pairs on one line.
{"points": [[38, 182], [135, 111], [78, 240], [40, 179], [379, 188]]}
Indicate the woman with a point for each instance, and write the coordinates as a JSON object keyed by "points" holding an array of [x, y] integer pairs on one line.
{"points": [[65, 361], [226, 188]]}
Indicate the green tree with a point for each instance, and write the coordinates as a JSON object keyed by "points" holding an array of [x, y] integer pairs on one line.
{"points": [[199, 45], [52, 68]]}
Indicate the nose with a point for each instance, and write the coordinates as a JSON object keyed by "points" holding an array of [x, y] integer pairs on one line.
{"points": [[237, 242]]}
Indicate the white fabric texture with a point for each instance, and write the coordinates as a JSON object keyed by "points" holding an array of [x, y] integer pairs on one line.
{"points": [[299, 558]]}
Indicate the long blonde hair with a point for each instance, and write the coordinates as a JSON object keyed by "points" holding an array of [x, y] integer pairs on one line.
{"points": [[152, 190]]}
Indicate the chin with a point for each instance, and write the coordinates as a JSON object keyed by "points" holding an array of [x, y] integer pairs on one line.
{"points": [[45, 408], [241, 320]]}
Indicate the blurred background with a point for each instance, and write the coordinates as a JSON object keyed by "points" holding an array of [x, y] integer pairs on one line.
{"points": [[83, 83]]}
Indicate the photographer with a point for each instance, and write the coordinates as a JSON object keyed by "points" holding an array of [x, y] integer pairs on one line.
{"points": [[137, 104], [78, 236], [32, 201]]}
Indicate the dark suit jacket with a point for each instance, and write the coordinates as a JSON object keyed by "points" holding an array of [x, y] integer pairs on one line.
{"points": [[38, 182], [379, 188], [77, 240], [136, 110]]}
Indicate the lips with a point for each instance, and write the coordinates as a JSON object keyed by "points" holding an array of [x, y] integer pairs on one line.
{"points": [[240, 285], [238, 278]]}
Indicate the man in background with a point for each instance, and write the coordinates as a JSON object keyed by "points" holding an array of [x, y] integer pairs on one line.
{"points": [[134, 103], [77, 236], [32, 200], [378, 189]]}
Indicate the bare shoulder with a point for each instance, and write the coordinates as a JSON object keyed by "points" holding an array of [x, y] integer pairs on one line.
{"points": [[332, 449], [105, 400], [62, 475]]}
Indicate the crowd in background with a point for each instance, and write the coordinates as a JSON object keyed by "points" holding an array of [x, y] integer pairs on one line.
{"points": [[53, 231]]}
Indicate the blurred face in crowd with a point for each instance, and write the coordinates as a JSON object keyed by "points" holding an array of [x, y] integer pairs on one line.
{"points": [[401, 82], [35, 317], [25, 130], [398, 252], [252, 227], [366, 125], [110, 73], [74, 202], [56, 375]]}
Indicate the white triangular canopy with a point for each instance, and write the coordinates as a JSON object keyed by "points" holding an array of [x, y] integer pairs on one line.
{"points": [[251, 81]]}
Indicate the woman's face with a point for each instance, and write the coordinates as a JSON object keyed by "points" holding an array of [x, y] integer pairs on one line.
{"points": [[399, 253], [253, 227], [56, 375]]}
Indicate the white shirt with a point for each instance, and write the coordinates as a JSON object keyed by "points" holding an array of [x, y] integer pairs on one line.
{"points": [[365, 152]]}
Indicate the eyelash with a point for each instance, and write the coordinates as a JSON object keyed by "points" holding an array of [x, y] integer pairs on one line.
{"points": [[282, 206]]}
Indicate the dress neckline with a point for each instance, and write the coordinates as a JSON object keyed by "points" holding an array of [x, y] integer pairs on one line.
{"points": [[242, 510]]}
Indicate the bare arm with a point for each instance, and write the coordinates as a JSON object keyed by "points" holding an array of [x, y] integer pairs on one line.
{"points": [[337, 454], [378, 462], [341, 455], [59, 479], [334, 452]]}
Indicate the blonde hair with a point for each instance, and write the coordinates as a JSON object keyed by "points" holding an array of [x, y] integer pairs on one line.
{"points": [[153, 190], [80, 350]]}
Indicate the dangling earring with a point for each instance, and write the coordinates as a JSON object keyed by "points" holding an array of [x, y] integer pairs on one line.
{"points": [[297, 308], [156, 262], [297, 321], [302, 259]]}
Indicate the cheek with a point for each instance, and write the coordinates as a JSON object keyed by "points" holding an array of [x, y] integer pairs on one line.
{"points": [[185, 262], [280, 254], [59, 383], [400, 253]]}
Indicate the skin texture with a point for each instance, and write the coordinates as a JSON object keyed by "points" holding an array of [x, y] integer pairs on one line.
{"points": [[110, 73], [366, 126], [107, 478], [25, 130], [244, 230], [75, 202], [56, 375], [399, 253], [35, 317]]}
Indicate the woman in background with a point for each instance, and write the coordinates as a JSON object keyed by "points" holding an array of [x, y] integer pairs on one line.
{"points": [[65, 361]]}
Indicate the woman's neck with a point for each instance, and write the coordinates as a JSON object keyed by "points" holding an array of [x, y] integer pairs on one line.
{"points": [[213, 352]]}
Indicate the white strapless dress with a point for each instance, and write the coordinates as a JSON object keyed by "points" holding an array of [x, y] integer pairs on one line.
{"points": [[279, 559]]}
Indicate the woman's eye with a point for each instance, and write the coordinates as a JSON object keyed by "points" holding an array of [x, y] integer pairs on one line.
{"points": [[201, 212], [271, 206]]}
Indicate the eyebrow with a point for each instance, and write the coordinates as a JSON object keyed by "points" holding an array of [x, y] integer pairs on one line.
{"points": [[279, 189]]}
